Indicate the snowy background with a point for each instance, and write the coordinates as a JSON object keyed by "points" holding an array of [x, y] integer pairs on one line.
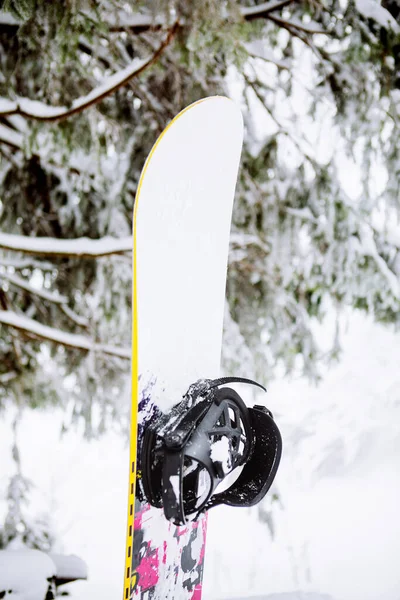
{"points": [[336, 526], [319, 172]]}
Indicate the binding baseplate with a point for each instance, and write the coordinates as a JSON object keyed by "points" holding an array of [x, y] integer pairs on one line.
{"points": [[186, 454]]}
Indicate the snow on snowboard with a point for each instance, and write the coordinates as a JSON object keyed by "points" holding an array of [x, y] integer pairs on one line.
{"points": [[188, 430]]}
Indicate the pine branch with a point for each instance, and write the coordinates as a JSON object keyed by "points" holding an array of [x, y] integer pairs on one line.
{"points": [[79, 247], [140, 23], [77, 319], [10, 137], [5, 305], [261, 11], [388, 231], [289, 25], [64, 338], [281, 129], [40, 111], [278, 63], [23, 285], [15, 140], [304, 214], [244, 240], [27, 263], [7, 377], [55, 298], [368, 248]]}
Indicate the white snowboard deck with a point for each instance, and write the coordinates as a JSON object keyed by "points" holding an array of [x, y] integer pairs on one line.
{"points": [[181, 239], [183, 222]]}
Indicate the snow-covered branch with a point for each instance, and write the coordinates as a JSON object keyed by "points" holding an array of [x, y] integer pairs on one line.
{"points": [[388, 231], [70, 340], [7, 377], [304, 214], [138, 23], [10, 137], [77, 319], [371, 9], [269, 59], [369, 248], [81, 247], [295, 26], [15, 139], [40, 111], [262, 10], [244, 240], [26, 263], [24, 285], [256, 85], [7, 18], [55, 298]]}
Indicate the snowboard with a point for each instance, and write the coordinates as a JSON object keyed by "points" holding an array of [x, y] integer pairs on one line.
{"points": [[181, 227]]}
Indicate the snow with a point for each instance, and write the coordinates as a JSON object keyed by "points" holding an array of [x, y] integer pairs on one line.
{"points": [[220, 452], [6, 105], [123, 20], [297, 595], [63, 247], [174, 480], [34, 108], [111, 83], [369, 249], [336, 528], [42, 293], [69, 567], [7, 18], [387, 228], [250, 11], [72, 340], [39, 110], [372, 9], [11, 137], [25, 573]]}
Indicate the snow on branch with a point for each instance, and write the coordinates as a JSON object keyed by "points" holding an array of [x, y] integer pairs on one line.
{"points": [[79, 247], [371, 9], [8, 136], [389, 231], [70, 340], [243, 240], [7, 18], [265, 10], [369, 248], [55, 298], [262, 10], [304, 214], [137, 23], [40, 111], [26, 263]]}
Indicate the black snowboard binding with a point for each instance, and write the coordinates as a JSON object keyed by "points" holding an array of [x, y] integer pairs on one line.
{"points": [[188, 453]]}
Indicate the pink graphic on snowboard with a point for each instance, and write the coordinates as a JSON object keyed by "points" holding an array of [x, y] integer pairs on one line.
{"points": [[148, 557], [174, 560]]}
